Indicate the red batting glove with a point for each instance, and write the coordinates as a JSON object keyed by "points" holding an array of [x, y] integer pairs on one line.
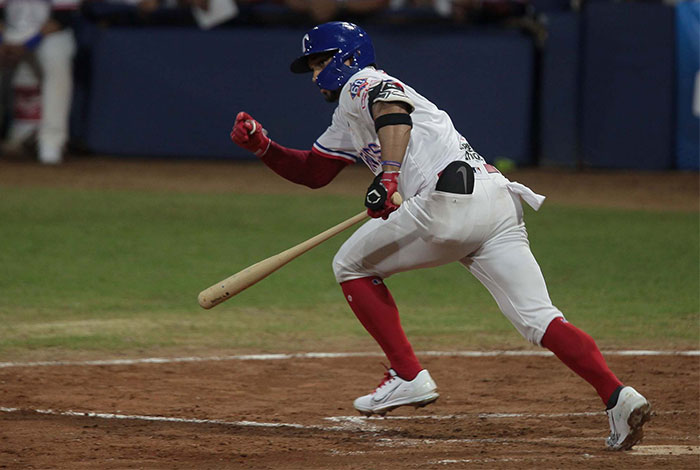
{"points": [[249, 134], [378, 199]]}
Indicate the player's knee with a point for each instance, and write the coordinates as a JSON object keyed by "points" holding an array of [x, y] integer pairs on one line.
{"points": [[346, 268], [535, 330], [340, 268], [533, 335]]}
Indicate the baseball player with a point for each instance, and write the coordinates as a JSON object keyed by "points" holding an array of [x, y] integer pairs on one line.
{"points": [[37, 32], [456, 207]]}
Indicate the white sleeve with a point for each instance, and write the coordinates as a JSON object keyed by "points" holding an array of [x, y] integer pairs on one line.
{"points": [[364, 91], [336, 141]]}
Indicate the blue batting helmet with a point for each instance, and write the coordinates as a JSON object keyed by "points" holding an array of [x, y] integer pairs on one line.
{"points": [[347, 40]]}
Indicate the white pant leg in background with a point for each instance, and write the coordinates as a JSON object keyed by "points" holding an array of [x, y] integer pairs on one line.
{"points": [[426, 231], [55, 56]]}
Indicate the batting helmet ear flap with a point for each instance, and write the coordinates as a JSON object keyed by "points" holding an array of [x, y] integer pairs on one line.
{"points": [[336, 73]]}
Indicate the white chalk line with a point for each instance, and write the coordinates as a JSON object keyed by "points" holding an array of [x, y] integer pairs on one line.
{"points": [[169, 419], [370, 424], [369, 428], [359, 419], [384, 442], [321, 355], [345, 423], [643, 450], [486, 460], [666, 450]]}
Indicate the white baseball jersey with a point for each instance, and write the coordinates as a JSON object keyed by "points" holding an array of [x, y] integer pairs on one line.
{"points": [[434, 141], [25, 18], [483, 230]]}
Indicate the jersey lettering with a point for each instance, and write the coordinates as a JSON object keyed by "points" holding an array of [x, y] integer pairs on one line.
{"points": [[357, 87], [469, 152], [372, 156]]}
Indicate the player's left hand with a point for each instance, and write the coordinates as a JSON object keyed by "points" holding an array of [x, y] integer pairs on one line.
{"points": [[378, 200], [249, 134]]}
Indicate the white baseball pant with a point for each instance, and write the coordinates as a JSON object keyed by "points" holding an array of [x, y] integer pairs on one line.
{"points": [[484, 231], [55, 56], [53, 62]]}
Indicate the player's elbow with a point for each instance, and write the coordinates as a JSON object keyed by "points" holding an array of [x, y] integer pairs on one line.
{"points": [[320, 175]]}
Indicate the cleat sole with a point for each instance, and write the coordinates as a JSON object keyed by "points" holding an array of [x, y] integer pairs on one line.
{"points": [[383, 411], [426, 402], [636, 421]]}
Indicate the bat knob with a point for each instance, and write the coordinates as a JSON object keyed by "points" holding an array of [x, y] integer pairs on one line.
{"points": [[396, 199]]}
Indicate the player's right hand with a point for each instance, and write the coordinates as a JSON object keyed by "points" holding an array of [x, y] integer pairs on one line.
{"points": [[249, 134], [379, 199]]}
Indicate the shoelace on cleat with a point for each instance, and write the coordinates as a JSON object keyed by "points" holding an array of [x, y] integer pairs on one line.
{"points": [[387, 378]]}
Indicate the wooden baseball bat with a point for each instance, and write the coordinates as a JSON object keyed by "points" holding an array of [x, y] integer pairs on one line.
{"points": [[227, 288]]}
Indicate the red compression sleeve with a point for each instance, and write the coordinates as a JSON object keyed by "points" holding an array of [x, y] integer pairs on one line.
{"points": [[302, 166], [374, 306], [578, 351]]}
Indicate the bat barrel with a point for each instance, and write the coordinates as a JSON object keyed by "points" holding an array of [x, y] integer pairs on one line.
{"points": [[224, 290], [213, 296]]}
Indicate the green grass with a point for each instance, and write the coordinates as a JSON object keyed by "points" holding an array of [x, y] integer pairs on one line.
{"points": [[113, 272]]}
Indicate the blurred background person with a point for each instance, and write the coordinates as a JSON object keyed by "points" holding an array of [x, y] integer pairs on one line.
{"points": [[201, 13], [37, 35], [321, 11]]}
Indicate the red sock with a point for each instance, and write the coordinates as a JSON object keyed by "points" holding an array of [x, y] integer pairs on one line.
{"points": [[579, 352], [374, 306]]}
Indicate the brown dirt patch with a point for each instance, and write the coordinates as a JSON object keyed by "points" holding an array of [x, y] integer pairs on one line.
{"points": [[672, 191], [549, 425]]}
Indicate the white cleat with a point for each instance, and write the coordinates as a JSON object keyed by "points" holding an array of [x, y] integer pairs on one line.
{"points": [[626, 419], [395, 391]]}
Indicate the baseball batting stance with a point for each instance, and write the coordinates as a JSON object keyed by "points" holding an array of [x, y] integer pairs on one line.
{"points": [[456, 207]]}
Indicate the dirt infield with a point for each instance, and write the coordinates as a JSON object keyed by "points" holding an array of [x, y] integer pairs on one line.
{"points": [[668, 191], [494, 412]]}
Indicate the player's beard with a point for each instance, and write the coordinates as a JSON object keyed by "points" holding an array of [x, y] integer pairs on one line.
{"points": [[331, 96]]}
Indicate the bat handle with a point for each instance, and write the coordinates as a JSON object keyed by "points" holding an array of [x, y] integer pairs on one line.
{"points": [[396, 199]]}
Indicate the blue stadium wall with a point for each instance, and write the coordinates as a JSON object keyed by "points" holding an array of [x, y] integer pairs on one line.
{"points": [[175, 92], [601, 93]]}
